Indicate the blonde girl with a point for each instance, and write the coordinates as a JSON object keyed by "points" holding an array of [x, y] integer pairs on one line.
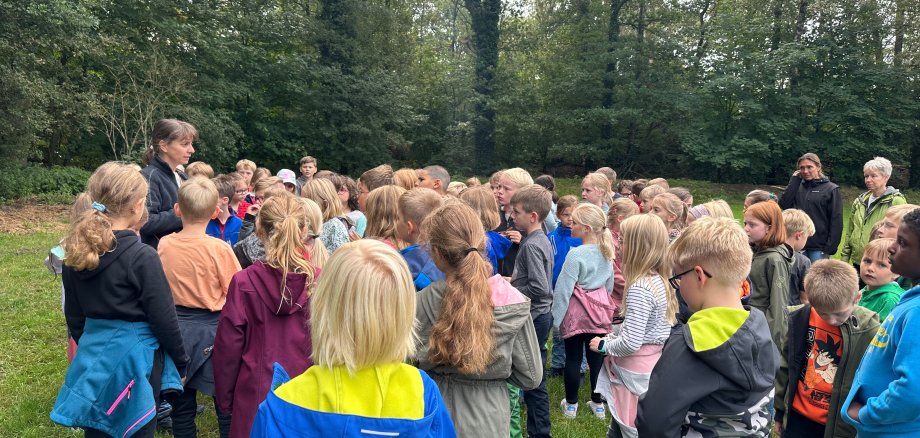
{"points": [[481, 200], [119, 310], [318, 252], [716, 208], [672, 211], [475, 329], [382, 209], [406, 178], [649, 310], [263, 320], [620, 210], [323, 193], [362, 323], [763, 223], [587, 272], [595, 189]]}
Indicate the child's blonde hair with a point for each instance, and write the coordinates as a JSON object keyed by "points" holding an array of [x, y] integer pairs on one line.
{"points": [[719, 245], [719, 208], [473, 182], [246, 165], [661, 182], [363, 310], [462, 336], [114, 189], [199, 168], [831, 285], [878, 248], [533, 198], [406, 178], [318, 253], [599, 182], [672, 204], [81, 203], [796, 220], [382, 211], [379, 176], [517, 176], [645, 244], [307, 159], [198, 197], [650, 192], [495, 177], [323, 193], [416, 204], [896, 213], [622, 207], [455, 188], [592, 216], [280, 226], [481, 200]]}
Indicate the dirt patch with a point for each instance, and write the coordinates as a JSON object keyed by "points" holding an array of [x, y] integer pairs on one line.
{"points": [[23, 217]]}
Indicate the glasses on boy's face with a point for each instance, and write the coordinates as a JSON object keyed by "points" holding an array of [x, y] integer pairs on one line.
{"points": [[675, 279]]}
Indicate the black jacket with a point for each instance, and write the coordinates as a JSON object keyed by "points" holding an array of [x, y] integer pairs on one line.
{"points": [[163, 194], [506, 265], [821, 200], [128, 285]]}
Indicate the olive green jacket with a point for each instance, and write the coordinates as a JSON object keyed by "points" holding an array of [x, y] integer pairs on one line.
{"points": [[862, 218]]}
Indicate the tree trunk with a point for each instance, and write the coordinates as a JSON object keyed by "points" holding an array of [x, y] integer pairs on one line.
{"points": [[484, 16], [898, 32], [701, 43], [613, 40], [777, 25]]}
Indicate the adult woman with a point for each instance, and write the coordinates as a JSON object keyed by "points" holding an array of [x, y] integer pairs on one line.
{"points": [[869, 208], [170, 147], [811, 191]]}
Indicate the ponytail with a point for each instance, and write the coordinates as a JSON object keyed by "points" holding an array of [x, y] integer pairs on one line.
{"points": [[592, 216], [280, 225], [89, 237]]}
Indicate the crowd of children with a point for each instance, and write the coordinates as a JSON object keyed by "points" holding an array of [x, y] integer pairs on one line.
{"points": [[406, 304]]}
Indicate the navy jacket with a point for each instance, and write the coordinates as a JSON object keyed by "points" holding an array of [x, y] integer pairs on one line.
{"points": [[821, 200], [163, 194]]}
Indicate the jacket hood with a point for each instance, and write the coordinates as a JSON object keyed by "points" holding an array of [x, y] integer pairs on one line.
{"points": [[816, 181], [266, 282], [784, 250], [889, 192], [729, 343], [124, 240], [503, 294]]}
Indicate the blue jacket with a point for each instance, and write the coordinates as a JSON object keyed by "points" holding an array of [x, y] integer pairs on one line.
{"points": [[422, 267], [496, 248], [278, 417], [231, 232], [888, 380], [106, 386], [562, 241]]}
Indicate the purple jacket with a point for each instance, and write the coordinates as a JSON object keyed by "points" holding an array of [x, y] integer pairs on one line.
{"points": [[256, 329]]}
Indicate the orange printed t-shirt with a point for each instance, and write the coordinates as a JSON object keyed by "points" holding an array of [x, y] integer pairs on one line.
{"points": [[817, 380], [199, 269]]}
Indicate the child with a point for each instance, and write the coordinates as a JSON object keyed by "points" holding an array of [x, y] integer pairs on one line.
{"points": [[362, 318], [473, 182], [475, 330], [660, 182], [827, 339], [382, 211], [714, 208], [307, 171], [595, 189], [772, 261], [649, 310], [562, 241], [533, 272], [435, 178], [510, 181], [799, 228], [199, 269], [455, 188], [289, 180], [120, 312], [238, 205], [318, 252], [264, 318], [335, 226], [683, 194], [549, 183], [350, 207], [482, 201], [413, 207], [888, 228], [495, 184], [646, 196], [882, 292], [199, 168], [586, 277], [377, 177], [637, 187], [671, 210], [620, 210], [757, 196], [247, 169], [883, 399], [406, 178], [716, 373], [624, 188], [225, 226]]}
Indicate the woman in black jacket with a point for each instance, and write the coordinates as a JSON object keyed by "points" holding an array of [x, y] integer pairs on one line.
{"points": [[170, 147], [811, 191]]}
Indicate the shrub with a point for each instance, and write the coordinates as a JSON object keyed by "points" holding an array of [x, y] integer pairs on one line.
{"points": [[56, 183]]}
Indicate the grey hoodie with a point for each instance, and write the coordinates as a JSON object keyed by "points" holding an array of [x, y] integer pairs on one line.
{"points": [[725, 390], [479, 404]]}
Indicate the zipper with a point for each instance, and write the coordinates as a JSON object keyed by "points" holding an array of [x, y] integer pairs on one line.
{"points": [[125, 394]]}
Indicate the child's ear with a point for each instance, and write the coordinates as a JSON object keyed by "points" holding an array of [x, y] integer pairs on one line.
{"points": [[411, 227], [177, 210], [858, 297]]}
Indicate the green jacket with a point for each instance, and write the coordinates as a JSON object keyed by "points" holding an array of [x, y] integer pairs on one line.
{"points": [[770, 287], [881, 300], [856, 333], [862, 218]]}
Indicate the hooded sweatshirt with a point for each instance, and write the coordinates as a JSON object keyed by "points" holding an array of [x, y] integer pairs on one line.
{"points": [[714, 378], [770, 271], [881, 299], [480, 404], [862, 217], [821, 200], [258, 327]]}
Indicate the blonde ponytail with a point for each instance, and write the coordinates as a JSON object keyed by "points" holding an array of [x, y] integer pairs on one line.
{"points": [[592, 216]]}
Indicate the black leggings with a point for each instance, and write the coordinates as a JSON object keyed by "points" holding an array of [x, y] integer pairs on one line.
{"points": [[574, 347]]}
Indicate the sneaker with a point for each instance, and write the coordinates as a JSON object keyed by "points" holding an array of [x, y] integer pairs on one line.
{"points": [[200, 410], [569, 411], [598, 409]]}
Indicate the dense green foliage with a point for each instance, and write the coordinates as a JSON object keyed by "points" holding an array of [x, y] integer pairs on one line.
{"points": [[729, 90], [57, 184]]}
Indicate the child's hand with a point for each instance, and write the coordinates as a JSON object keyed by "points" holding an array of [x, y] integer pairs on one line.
{"points": [[595, 343], [514, 236], [778, 428], [353, 236], [254, 209], [853, 410]]}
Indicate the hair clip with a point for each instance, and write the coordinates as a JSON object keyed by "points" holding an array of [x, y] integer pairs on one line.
{"points": [[98, 206]]}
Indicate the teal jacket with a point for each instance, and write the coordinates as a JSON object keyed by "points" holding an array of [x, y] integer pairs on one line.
{"points": [[862, 218]]}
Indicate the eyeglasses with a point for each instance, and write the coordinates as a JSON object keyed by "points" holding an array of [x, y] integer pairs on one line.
{"points": [[241, 191], [675, 280]]}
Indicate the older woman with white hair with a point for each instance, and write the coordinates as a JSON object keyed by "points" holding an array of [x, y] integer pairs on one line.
{"points": [[869, 208]]}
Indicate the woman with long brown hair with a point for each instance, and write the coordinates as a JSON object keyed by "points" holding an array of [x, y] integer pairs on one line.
{"points": [[475, 330]]}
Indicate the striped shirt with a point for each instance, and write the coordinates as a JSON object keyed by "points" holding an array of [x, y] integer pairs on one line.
{"points": [[645, 320]]}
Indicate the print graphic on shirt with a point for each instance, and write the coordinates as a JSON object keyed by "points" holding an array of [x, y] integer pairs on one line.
{"points": [[823, 350], [881, 337]]}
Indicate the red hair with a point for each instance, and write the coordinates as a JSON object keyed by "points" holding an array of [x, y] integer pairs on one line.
{"points": [[770, 214]]}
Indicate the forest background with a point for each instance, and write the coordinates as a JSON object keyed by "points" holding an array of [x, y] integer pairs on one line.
{"points": [[719, 90]]}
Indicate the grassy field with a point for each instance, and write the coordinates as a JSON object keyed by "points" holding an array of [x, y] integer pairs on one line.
{"points": [[33, 341]]}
